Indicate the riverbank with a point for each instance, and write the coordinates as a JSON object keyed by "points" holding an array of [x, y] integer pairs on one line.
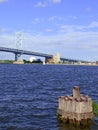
{"points": [[22, 62]]}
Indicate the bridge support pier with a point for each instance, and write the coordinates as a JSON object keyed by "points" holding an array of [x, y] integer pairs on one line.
{"points": [[17, 56], [48, 60], [18, 60], [55, 59]]}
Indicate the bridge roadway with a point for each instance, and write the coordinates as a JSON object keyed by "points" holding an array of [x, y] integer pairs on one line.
{"points": [[18, 52], [73, 60]]}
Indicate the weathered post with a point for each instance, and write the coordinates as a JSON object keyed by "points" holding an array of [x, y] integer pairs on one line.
{"points": [[75, 109], [76, 92]]}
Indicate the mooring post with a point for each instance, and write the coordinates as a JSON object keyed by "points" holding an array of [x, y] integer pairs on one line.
{"points": [[76, 109], [76, 92]]}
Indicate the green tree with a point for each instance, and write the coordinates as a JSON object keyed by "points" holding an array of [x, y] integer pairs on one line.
{"points": [[95, 108]]}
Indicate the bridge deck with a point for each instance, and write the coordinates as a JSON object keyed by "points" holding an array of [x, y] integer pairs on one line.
{"points": [[17, 51]]}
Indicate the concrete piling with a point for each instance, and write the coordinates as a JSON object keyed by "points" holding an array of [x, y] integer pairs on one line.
{"points": [[75, 109]]}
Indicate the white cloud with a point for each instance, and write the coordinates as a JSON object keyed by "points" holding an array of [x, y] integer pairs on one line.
{"points": [[69, 40], [46, 3], [7, 40], [2, 30], [73, 43], [56, 1], [73, 17], [52, 18], [88, 9], [73, 28], [36, 21], [1, 1], [40, 4], [55, 18], [48, 30], [93, 24]]}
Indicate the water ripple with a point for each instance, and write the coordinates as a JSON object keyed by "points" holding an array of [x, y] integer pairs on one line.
{"points": [[29, 94]]}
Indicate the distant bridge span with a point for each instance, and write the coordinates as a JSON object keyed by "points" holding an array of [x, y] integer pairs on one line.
{"points": [[18, 53]]}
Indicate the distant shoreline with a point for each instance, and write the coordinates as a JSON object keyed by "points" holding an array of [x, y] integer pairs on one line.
{"points": [[51, 64], [41, 63]]}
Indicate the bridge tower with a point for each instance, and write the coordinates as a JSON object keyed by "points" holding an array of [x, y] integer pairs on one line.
{"points": [[19, 45]]}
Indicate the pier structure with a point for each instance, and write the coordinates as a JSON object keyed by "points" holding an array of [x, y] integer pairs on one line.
{"points": [[75, 109], [55, 59]]}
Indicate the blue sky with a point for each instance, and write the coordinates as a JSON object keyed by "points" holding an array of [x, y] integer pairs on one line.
{"points": [[50, 26]]}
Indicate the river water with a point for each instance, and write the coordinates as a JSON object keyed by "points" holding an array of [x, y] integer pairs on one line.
{"points": [[29, 94]]}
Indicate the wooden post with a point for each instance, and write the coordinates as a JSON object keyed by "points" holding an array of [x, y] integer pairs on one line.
{"points": [[76, 109], [76, 92]]}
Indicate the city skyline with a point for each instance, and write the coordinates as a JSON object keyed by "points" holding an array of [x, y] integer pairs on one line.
{"points": [[50, 26]]}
